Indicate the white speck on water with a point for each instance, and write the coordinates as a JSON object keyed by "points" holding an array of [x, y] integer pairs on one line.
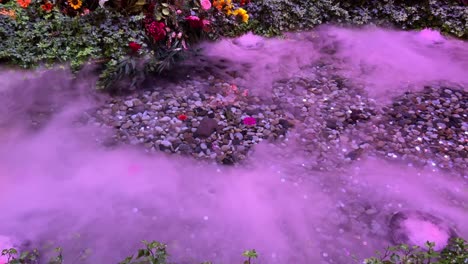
{"points": [[418, 148], [305, 196], [325, 255], [304, 100], [344, 150], [135, 210], [205, 218], [283, 180], [419, 139]]}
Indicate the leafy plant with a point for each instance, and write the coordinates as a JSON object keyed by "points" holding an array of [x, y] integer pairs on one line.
{"points": [[29, 257], [153, 253], [250, 254], [455, 253]]}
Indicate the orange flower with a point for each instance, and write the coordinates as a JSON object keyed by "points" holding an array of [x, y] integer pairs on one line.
{"points": [[6, 12], [75, 4], [24, 3]]}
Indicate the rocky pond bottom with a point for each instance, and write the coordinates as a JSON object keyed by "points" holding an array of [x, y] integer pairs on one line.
{"points": [[309, 149]]}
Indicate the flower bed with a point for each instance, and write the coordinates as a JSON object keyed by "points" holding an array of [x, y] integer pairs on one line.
{"points": [[133, 38]]}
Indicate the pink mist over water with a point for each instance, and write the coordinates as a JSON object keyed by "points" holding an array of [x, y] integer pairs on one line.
{"points": [[420, 232], [57, 185]]}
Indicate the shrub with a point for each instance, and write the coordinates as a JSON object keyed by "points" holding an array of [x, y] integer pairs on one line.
{"points": [[130, 45], [455, 253], [275, 16], [133, 38], [153, 253]]}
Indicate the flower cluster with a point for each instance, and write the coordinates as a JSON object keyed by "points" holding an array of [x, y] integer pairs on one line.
{"points": [[196, 22], [7, 12], [157, 30], [228, 8]]}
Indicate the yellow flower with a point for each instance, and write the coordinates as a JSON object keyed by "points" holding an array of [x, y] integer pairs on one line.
{"points": [[75, 4], [245, 18], [225, 5], [242, 13]]}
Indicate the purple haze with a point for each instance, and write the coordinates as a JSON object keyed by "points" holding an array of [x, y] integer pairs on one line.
{"points": [[56, 185]]}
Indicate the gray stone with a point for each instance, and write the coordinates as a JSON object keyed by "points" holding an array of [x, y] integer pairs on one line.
{"points": [[206, 127]]}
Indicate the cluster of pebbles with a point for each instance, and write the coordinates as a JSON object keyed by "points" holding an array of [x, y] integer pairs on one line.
{"points": [[207, 125], [320, 112], [429, 127]]}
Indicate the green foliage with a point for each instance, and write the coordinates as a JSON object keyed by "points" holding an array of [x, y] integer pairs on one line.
{"points": [[275, 16], [29, 257], [455, 253], [250, 254], [153, 253], [34, 36], [33, 39]]}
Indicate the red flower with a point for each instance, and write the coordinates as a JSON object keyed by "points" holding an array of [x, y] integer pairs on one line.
{"points": [[156, 30], [47, 6], [249, 121], [135, 47], [182, 117], [194, 21]]}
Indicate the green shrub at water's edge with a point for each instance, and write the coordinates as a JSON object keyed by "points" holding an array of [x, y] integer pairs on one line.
{"points": [[155, 252], [131, 39], [455, 253], [275, 16]]}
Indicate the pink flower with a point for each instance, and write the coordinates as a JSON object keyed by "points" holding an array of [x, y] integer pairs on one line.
{"points": [[206, 4], [205, 23], [194, 21], [249, 121]]}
